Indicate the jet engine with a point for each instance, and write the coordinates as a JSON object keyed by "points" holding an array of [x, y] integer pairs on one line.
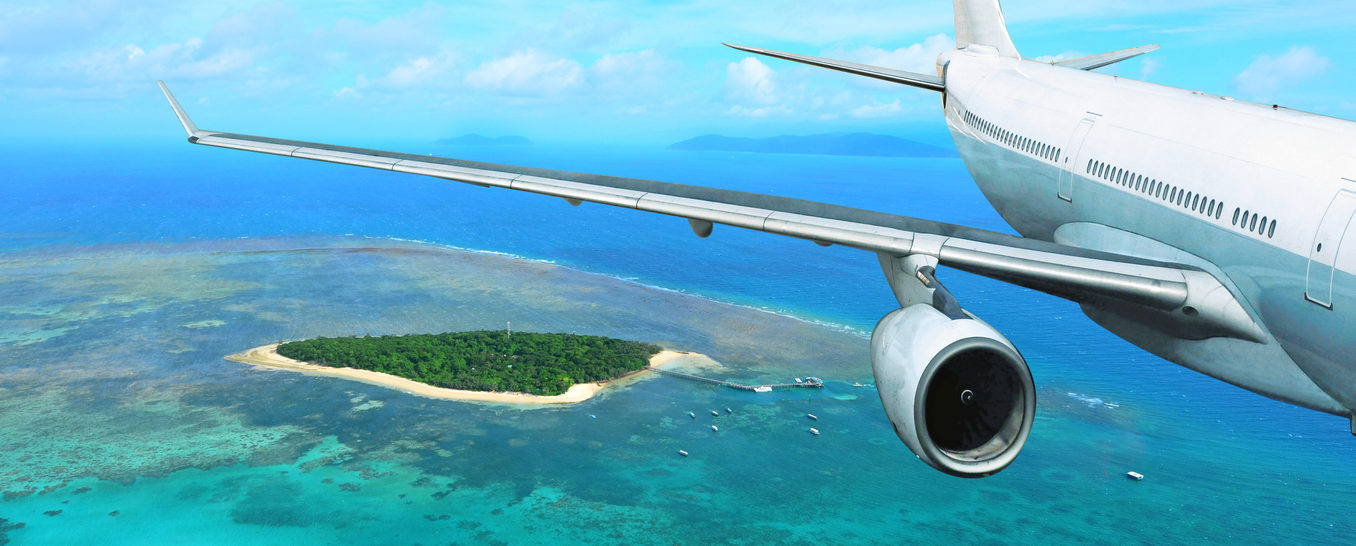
{"points": [[957, 392]]}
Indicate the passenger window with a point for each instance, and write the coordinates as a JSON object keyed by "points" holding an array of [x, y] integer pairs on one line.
{"points": [[1195, 202], [1271, 231], [1236, 211], [1264, 226], [1254, 222]]}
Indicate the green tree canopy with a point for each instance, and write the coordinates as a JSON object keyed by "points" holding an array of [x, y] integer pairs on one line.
{"points": [[487, 360]]}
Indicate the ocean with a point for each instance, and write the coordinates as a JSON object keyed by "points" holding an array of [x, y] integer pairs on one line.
{"points": [[128, 271]]}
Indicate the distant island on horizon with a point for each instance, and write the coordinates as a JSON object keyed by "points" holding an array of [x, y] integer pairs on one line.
{"points": [[843, 144], [474, 139]]}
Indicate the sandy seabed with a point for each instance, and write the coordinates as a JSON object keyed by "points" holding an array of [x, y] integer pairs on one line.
{"points": [[268, 356]]}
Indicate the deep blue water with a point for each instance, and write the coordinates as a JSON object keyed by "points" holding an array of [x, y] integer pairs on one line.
{"points": [[1224, 464]]}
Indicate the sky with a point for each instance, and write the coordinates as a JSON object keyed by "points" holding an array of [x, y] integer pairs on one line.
{"points": [[355, 72]]}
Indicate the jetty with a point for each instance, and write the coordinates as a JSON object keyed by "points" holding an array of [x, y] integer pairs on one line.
{"points": [[812, 382]]}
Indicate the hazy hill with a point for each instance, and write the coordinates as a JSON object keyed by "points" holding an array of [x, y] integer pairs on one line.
{"points": [[859, 144]]}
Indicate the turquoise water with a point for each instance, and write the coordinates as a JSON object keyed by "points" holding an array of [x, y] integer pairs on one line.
{"points": [[125, 279]]}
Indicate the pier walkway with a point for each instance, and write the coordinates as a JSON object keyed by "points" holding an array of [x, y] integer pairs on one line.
{"points": [[811, 383]]}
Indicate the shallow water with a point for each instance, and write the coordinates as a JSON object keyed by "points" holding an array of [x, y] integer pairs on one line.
{"points": [[126, 275], [123, 422]]}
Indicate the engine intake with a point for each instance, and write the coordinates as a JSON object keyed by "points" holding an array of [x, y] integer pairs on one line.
{"points": [[957, 392]]}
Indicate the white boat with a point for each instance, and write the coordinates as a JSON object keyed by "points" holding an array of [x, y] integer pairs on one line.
{"points": [[762, 389], [692, 415], [812, 416], [1135, 476], [715, 413], [814, 431], [683, 453], [713, 427], [798, 380], [728, 410]]}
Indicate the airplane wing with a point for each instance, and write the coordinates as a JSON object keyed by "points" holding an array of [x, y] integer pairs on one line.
{"points": [[922, 81], [1097, 61], [1072, 273]]}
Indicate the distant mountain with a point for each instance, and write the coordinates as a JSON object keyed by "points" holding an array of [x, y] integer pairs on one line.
{"points": [[858, 144], [477, 140]]}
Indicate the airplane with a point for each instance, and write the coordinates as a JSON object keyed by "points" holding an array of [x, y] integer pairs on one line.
{"points": [[1215, 233]]}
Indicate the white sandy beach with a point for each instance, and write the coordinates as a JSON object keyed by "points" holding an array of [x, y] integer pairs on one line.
{"points": [[268, 356]]}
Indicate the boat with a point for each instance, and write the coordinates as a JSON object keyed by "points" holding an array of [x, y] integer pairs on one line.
{"points": [[713, 427], [1135, 476], [814, 431], [812, 416], [728, 410], [858, 385], [692, 415], [715, 413], [682, 452], [763, 388], [798, 380]]}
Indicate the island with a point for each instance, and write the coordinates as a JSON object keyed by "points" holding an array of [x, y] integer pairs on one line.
{"points": [[487, 366]]}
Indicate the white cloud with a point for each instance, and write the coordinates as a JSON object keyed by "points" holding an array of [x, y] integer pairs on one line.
{"points": [[632, 72], [877, 110], [1071, 54], [1267, 74], [749, 80], [1148, 67], [526, 72], [420, 71], [174, 61], [763, 112], [919, 57]]}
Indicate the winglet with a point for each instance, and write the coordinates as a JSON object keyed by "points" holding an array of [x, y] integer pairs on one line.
{"points": [[189, 127], [924, 81]]}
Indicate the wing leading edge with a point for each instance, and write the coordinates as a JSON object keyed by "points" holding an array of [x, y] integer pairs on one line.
{"points": [[1081, 275]]}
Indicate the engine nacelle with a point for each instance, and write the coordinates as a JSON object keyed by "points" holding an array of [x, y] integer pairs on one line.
{"points": [[957, 392]]}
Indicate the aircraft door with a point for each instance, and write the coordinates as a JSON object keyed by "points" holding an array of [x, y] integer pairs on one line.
{"points": [[1073, 155], [1334, 232]]}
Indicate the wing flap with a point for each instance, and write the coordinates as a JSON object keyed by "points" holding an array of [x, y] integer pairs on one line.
{"points": [[478, 177], [244, 145], [592, 193], [346, 158]]}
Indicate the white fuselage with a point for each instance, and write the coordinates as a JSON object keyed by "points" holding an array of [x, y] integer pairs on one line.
{"points": [[1253, 193]]}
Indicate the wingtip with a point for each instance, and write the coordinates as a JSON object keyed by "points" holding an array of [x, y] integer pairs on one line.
{"points": [[179, 112]]}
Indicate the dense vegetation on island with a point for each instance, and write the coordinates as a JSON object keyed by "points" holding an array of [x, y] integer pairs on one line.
{"points": [[542, 364]]}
